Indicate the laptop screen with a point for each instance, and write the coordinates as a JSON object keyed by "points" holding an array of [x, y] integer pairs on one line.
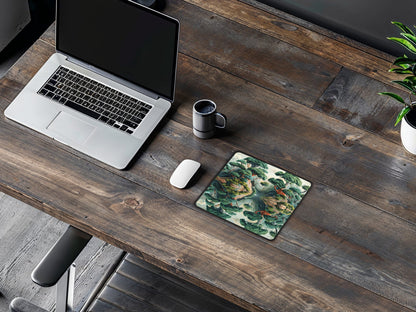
{"points": [[122, 38]]}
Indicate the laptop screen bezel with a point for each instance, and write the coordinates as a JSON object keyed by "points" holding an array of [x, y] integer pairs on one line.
{"points": [[102, 71]]}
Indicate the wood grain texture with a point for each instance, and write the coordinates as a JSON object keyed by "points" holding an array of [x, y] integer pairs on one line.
{"points": [[248, 53], [26, 234], [135, 214], [178, 289], [287, 70], [23, 243], [138, 286], [353, 58], [321, 148], [49, 35], [350, 243], [282, 68], [101, 306], [347, 249], [354, 98], [318, 29]]}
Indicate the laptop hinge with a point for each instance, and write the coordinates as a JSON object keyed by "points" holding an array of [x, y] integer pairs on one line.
{"points": [[112, 77]]}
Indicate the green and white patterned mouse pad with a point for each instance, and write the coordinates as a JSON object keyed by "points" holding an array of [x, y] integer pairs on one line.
{"points": [[254, 195]]}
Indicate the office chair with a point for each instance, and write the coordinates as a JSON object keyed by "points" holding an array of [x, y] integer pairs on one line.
{"points": [[57, 268]]}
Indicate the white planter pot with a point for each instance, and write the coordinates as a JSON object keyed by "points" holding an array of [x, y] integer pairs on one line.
{"points": [[408, 131]]}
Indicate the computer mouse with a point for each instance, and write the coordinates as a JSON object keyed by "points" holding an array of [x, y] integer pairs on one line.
{"points": [[184, 173]]}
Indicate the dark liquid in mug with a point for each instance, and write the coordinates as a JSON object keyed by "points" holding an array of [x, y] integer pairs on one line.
{"points": [[205, 107]]}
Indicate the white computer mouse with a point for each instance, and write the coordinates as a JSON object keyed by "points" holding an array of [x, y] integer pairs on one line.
{"points": [[184, 173]]}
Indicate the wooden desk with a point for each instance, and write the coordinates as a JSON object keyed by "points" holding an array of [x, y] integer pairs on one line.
{"points": [[297, 96]]}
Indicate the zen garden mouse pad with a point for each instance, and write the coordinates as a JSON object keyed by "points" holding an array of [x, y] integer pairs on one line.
{"points": [[254, 195]]}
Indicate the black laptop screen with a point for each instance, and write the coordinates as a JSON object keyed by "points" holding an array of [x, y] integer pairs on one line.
{"points": [[122, 38]]}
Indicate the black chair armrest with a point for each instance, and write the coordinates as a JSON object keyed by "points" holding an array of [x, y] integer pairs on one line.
{"points": [[22, 305], [60, 257]]}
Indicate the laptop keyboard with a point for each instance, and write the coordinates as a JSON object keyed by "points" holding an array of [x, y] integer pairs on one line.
{"points": [[95, 99]]}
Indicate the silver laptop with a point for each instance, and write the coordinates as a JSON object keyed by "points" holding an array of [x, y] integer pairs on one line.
{"points": [[110, 82]]}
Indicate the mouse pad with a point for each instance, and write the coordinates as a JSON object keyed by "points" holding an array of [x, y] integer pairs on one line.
{"points": [[254, 195]]}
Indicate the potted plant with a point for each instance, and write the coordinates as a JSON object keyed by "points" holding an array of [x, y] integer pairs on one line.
{"points": [[405, 65]]}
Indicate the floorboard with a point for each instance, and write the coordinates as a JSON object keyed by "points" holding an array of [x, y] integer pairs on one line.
{"points": [[26, 234], [139, 286]]}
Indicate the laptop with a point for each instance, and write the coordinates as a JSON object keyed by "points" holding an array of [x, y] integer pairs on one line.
{"points": [[110, 82]]}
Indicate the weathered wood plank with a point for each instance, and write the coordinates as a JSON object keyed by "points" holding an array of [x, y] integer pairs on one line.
{"points": [[284, 69], [308, 143], [26, 234], [92, 264], [345, 249], [322, 149], [339, 234], [350, 57], [125, 210], [146, 295], [261, 59], [157, 166], [30, 63], [353, 98], [263, 6], [172, 139], [124, 302], [101, 306], [248, 53], [49, 35], [281, 68]]}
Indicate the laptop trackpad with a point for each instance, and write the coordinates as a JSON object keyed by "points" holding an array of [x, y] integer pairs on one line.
{"points": [[70, 128]]}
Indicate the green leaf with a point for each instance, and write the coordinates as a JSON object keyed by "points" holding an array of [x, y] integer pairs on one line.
{"points": [[404, 60], [411, 80], [408, 85], [400, 71], [403, 113], [403, 28], [405, 43], [394, 96], [410, 37]]}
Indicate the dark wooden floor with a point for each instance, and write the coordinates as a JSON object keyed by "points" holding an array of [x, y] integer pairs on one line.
{"points": [[26, 234], [139, 286]]}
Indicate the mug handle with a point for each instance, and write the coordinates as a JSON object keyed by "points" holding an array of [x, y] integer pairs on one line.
{"points": [[220, 120]]}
